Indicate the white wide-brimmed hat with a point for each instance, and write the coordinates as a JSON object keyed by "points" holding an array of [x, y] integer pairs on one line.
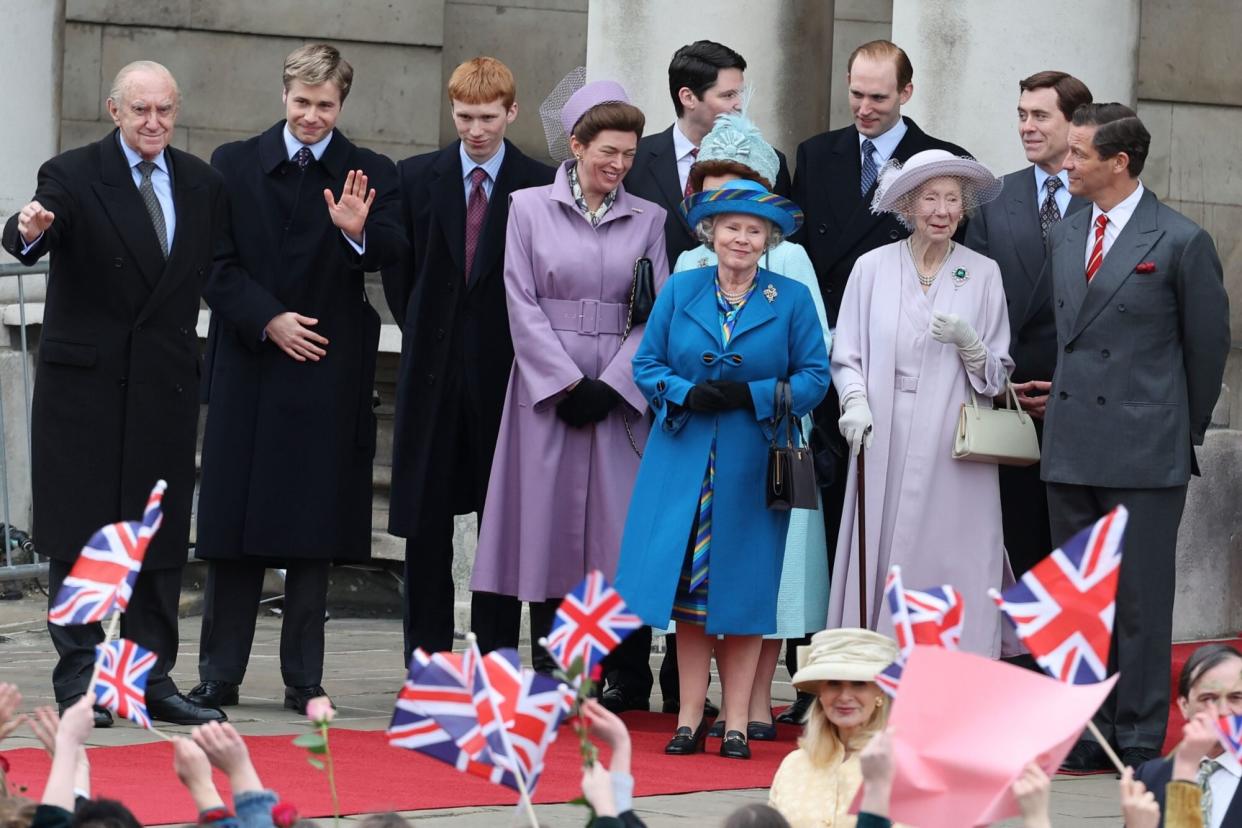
{"points": [[843, 655], [899, 182]]}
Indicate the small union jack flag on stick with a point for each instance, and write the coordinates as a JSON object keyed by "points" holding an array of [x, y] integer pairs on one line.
{"points": [[120, 682], [1063, 608], [103, 576], [1230, 732], [590, 622], [920, 616]]}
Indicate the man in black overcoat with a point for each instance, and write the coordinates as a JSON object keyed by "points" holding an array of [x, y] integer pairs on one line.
{"points": [[290, 374], [834, 184], [448, 295], [129, 223]]}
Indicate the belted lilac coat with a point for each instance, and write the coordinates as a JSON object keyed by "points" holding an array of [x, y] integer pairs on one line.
{"points": [[558, 496]]}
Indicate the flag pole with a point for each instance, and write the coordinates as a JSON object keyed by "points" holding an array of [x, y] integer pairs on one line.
{"points": [[1112, 754], [109, 634]]}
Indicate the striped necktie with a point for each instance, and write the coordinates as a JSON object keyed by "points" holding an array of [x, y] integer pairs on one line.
{"points": [[1097, 251], [1207, 767], [149, 200]]}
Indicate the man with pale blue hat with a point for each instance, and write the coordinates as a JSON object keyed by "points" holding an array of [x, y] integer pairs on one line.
{"points": [[699, 545]]}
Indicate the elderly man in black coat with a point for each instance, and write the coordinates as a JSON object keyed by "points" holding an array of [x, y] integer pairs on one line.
{"points": [[448, 295], [291, 365], [129, 223]]}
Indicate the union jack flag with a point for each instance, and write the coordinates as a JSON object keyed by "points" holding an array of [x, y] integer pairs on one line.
{"points": [[121, 685], [590, 622], [1063, 608], [105, 572], [532, 723], [1230, 727], [920, 616]]}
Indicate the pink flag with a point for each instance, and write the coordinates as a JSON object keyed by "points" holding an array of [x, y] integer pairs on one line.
{"points": [[963, 727]]}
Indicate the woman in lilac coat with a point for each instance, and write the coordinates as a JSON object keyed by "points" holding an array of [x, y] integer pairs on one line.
{"points": [[574, 422]]}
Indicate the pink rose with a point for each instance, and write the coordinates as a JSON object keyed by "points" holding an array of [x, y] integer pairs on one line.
{"points": [[320, 710]]}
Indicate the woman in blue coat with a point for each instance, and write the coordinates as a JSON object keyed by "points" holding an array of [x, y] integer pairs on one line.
{"points": [[718, 340]]}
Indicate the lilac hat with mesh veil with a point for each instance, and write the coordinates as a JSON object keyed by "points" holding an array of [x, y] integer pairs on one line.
{"points": [[592, 94]]}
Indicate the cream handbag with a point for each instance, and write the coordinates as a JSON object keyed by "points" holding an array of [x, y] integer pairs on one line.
{"points": [[996, 435]]}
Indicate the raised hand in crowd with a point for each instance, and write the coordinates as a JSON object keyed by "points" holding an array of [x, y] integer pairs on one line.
{"points": [[1138, 807], [10, 700], [876, 761], [33, 221], [194, 771], [608, 728], [350, 213], [45, 722], [1032, 790], [69, 754], [1198, 740], [224, 747], [597, 789]]}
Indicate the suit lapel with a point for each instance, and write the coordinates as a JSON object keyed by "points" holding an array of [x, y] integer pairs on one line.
{"points": [[491, 240], [1070, 279], [702, 309], [448, 202], [1041, 292], [1139, 235], [663, 169], [758, 310], [842, 190], [1022, 212], [126, 211], [190, 202]]}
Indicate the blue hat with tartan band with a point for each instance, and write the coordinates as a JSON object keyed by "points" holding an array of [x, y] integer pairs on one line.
{"points": [[743, 196]]}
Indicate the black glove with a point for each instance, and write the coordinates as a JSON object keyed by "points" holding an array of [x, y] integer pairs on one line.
{"points": [[588, 402], [705, 397], [736, 394]]}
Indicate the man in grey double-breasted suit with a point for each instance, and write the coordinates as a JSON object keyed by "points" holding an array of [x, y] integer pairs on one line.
{"points": [[1142, 322]]}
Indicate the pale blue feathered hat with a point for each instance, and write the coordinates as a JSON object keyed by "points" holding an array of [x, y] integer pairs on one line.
{"points": [[734, 137]]}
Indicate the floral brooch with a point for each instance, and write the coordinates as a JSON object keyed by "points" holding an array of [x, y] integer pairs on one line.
{"points": [[959, 276], [769, 293]]}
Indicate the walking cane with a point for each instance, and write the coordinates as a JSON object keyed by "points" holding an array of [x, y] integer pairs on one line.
{"points": [[863, 618]]}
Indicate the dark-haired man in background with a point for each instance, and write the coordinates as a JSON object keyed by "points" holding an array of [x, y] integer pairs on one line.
{"points": [[1011, 229], [1142, 321]]}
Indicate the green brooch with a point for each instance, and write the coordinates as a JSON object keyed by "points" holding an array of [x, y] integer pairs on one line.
{"points": [[959, 275]]}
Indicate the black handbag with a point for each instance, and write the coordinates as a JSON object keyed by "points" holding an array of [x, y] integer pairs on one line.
{"points": [[642, 294], [790, 481]]}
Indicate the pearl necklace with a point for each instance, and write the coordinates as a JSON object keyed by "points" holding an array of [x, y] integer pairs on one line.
{"points": [[928, 281], [734, 298]]}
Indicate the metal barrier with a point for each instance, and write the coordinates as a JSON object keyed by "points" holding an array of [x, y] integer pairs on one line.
{"points": [[14, 539]]}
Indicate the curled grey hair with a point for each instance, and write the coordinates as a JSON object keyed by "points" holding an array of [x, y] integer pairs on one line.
{"points": [[706, 228], [903, 211], [117, 93]]}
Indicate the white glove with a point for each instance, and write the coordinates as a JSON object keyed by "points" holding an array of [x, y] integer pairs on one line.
{"points": [[855, 423], [952, 329]]}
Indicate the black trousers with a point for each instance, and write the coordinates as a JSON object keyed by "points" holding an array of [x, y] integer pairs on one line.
{"points": [[1024, 514], [231, 607], [150, 621], [1136, 712]]}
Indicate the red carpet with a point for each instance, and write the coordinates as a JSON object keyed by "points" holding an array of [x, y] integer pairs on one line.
{"points": [[371, 776]]}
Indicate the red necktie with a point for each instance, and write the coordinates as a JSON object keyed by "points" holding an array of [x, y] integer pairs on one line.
{"points": [[476, 212], [694, 153], [1097, 251]]}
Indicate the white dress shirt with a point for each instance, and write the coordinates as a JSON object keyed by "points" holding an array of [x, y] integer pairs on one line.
{"points": [[491, 166], [1118, 217], [885, 143], [292, 146], [683, 149], [1224, 785], [1062, 195]]}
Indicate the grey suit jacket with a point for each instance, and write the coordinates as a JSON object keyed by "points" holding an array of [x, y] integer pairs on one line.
{"points": [[1141, 351], [1007, 230]]}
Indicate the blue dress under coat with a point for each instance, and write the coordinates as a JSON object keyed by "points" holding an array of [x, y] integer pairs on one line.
{"points": [[774, 338]]}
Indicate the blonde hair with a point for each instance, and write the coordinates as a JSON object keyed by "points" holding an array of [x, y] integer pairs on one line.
{"points": [[317, 63], [822, 741]]}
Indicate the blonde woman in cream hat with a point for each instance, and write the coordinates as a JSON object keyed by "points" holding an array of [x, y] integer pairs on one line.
{"points": [[816, 784]]}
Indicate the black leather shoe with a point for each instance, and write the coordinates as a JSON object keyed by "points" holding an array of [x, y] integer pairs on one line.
{"points": [[717, 730], [686, 741], [734, 746], [1086, 757], [214, 694], [1132, 757], [177, 709], [795, 714], [616, 700], [296, 698], [672, 705], [761, 731], [103, 716]]}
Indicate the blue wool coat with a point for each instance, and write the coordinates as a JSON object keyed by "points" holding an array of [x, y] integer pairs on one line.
{"points": [[682, 346]]}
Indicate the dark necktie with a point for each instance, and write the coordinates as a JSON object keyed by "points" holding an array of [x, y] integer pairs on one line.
{"points": [[689, 191], [1049, 212], [147, 191], [476, 211], [303, 158], [868, 167], [1097, 250]]}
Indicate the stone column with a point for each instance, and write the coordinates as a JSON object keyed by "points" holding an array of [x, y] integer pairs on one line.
{"points": [[969, 55], [787, 45]]}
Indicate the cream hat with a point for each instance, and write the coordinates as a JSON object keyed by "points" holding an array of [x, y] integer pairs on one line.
{"points": [[844, 655], [899, 183]]}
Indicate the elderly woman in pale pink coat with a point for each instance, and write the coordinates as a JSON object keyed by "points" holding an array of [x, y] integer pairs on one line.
{"points": [[923, 322], [574, 422]]}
